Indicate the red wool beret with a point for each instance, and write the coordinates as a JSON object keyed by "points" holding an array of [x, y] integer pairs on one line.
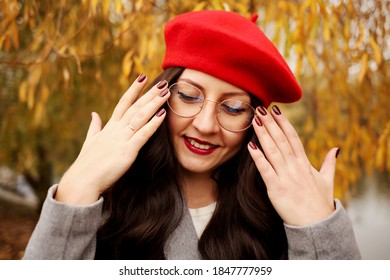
{"points": [[230, 47]]}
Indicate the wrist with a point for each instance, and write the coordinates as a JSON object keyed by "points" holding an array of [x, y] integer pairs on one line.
{"points": [[76, 194]]}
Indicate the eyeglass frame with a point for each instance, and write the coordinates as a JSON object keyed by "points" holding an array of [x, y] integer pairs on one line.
{"points": [[213, 101]]}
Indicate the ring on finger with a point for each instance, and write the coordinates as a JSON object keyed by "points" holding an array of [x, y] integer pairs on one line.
{"points": [[132, 127]]}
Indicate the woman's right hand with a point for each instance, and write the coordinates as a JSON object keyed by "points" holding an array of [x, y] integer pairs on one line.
{"points": [[109, 152]]}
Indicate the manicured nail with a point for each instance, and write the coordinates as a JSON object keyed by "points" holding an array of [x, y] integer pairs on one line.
{"points": [[164, 92], [160, 113], [252, 145], [141, 78], [262, 110], [258, 121], [276, 110], [337, 153], [162, 84]]}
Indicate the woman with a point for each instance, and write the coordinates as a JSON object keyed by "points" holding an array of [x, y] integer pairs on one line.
{"points": [[197, 167]]}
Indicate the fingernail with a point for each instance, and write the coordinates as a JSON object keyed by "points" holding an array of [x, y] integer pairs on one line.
{"points": [[162, 84], [252, 145], [262, 110], [258, 121], [160, 113], [337, 153], [141, 78], [164, 92], [276, 110]]}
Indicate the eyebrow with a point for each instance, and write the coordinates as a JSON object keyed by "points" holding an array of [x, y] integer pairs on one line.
{"points": [[233, 93]]}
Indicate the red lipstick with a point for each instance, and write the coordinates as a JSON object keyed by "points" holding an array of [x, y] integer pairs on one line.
{"points": [[198, 150]]}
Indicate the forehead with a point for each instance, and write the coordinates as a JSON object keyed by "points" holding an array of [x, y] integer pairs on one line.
{"points": [[210, 84]]}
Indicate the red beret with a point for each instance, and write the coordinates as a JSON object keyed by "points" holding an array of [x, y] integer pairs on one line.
{"points": [[230, 47]]}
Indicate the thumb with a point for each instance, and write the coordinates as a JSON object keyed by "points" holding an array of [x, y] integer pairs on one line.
{"points": [[328, 167], [95, 126]]}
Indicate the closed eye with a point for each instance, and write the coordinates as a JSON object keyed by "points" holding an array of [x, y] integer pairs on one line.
{"points": [[233, 110], [188, 97]]}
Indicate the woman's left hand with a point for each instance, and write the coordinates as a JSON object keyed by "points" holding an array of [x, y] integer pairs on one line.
{"points": [[300, 194]]}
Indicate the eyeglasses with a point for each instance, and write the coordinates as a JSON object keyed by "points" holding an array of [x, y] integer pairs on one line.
{"points": [[187, 101]]}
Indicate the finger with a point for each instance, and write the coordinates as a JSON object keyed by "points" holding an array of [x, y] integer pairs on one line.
{"points": [[276, 133], [143, 134], [328, 167], [129, 97], [144, 108], [266, 170], [290, 133], [95, 126], [270, 149]]}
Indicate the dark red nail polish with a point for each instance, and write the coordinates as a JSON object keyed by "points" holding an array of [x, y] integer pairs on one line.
{"points": [[164, 92], [162, 84], [262, 110], [276, 110], [160, 113], [141, 78], [252, 145], [337, 153], [258, 121]]}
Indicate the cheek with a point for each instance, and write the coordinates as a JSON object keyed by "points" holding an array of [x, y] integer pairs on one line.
{"points": [[176, 123], [237, 142], [173, 123], [234, 141]]}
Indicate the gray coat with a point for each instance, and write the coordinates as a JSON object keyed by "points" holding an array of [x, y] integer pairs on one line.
{"points": [[69, 232]]}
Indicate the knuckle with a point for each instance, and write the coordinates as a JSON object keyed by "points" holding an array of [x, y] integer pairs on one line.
{"points": [[281, 139], [273, 150], [139, 116], [293, 135]]}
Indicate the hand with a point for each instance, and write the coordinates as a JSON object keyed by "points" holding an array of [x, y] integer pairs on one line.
{"points": [[109, 152], [300, 194]]}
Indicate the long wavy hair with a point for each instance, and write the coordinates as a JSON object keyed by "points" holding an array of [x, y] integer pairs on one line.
{"points": [[146, 204]]}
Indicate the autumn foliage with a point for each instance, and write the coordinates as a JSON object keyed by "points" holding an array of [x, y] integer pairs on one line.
{"points": [[61, 60]]}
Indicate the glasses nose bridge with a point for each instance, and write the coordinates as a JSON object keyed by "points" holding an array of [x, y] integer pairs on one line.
{"points": [[212, 101]]}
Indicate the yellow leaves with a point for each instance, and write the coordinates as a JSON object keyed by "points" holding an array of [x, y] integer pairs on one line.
{"points": [[298, 69], [23, 92], [217, 5], [377, 51], [312, 60], [326, 31], [127, 63], [361, 39], [347, 30], [35, 75], [93, 6], [66, 76], [118, 6], [282, 6], [363, 68], [35, 94], [27, 88], [200, 6], [40, 106], [382, 159]]}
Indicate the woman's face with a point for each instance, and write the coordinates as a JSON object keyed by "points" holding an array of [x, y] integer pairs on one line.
{"points": [[200, 143]]}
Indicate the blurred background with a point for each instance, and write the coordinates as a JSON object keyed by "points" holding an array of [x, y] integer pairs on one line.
{"points": [[60, 60]]}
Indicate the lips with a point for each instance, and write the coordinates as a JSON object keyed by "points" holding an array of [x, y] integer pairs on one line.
{"points": [[199, 147]]}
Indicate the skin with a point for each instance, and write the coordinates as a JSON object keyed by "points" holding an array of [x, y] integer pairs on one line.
{"points": [[108, 152], [200, 189], [300, 194]]}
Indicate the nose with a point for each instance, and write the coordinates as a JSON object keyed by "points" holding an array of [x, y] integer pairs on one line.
{"points": [[206, 121]]}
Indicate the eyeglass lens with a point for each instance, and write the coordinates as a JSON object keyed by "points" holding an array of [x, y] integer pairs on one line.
{"points": [[187, 101]]}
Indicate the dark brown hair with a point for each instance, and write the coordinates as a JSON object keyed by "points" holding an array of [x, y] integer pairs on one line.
{"points": [[145, 206]]}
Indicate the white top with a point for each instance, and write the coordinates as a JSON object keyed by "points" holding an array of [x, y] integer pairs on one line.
{"points": [[201, 217]]}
